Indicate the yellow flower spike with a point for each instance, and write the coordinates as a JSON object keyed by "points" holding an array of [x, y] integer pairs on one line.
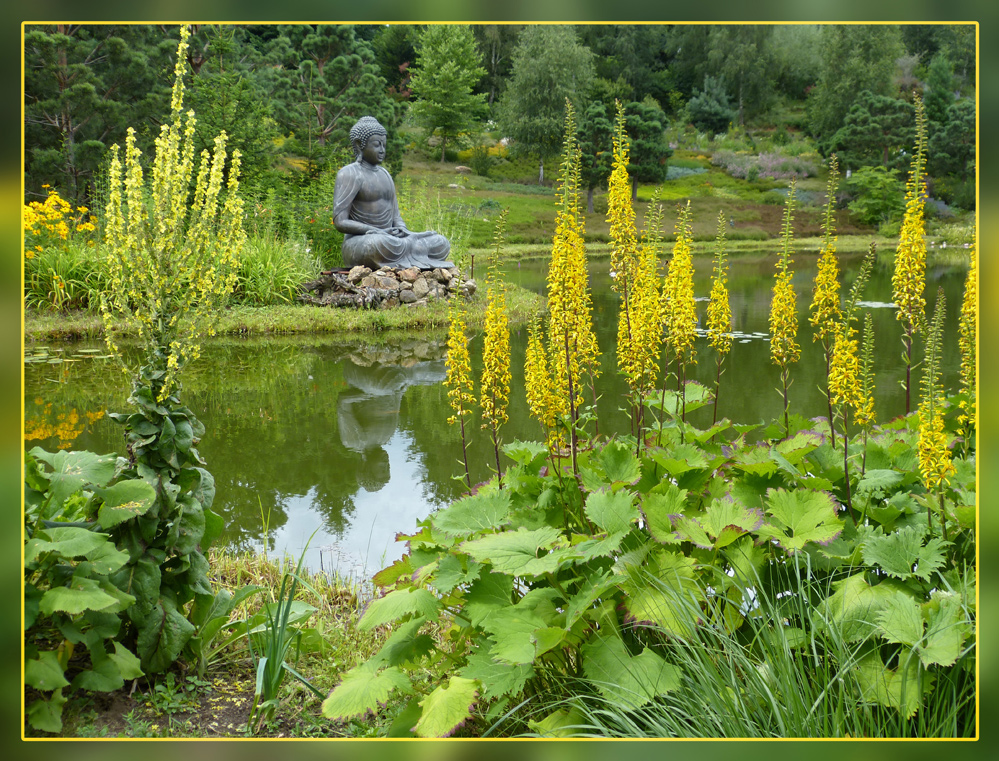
{"points": [[171, 261], [494, 388], [909, 278], [967, 342], [719, 316], [784, 349]]}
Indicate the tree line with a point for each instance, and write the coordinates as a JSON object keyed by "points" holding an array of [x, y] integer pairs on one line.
{"points": [[287, 95]]}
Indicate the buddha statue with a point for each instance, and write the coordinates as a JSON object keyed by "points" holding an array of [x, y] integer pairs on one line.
{"points": [[366, 211]]}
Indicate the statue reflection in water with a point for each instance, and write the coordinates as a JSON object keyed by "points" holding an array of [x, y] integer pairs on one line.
{"points": [[368, 411]]}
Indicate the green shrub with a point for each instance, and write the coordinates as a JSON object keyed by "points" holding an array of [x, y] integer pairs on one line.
{"points": [[271, 271], [64, 277], [607, 586]]}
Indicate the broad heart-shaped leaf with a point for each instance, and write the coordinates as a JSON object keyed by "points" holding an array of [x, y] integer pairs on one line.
{"points": [[124, 500], [855, 607], [450, 573], [901, 620], [512, 631], [612, 511], [947, 627], [68, 541], [800, 444], [516, 552], [679, 459], [489, 592], [880, 480], [399, 603], [364, 689], [631, 681], [45, 672], [901, 554], [480, 512], [46, 713], [81, 594], [660, 509], [619, 463], [722, 523], [562, 722], [162, 636], [72, 471], [664, 591], [530, 454], [799, 517], [496, 678], [756, 461], [447, 708], [901, 688], [405, 645]]}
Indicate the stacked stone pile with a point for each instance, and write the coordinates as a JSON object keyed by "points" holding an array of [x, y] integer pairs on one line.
{"points": [[384, 288]]}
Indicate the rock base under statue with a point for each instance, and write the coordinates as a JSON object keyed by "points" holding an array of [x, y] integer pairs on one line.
{"points": [[362, 288]]}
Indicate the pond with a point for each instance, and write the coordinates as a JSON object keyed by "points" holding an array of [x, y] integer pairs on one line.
{"points": [[350, 439]]}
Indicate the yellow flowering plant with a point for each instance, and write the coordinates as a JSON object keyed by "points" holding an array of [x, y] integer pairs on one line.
{"points": [[784, 349], [967, 343], [719, 317], [825, 308], [458, 380], [680, 304], [935, 460], [494, 387], [850, 378], [572, 344], [909, 278], [172, 256]]}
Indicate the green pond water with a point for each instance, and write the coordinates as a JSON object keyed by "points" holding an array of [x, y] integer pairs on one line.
{"points": [[350, 438]]}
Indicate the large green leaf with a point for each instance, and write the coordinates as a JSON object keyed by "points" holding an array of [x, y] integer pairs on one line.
{"points": [[46, 713], [879, 480], [563, 722], [451, 574], [902, 554], [72, 471], [447, 708], [660, 509], [664, 591], [724, 521], [124, 500], [619, 463], [470, 515], [364, 688], [488, 593], [512, 631], [901, 688], [947, 627], [856, 606], [405, 645], [517, 552], [629, 681], [599, 546], [612, 511], [679, 459], [162, 636], [799, 517], [81, 594], [45, 672], [68, 541], [901, 620], [399, 603], [798, 446], [496, 677]]}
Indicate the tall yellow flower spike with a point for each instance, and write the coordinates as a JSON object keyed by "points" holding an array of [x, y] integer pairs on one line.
{"points": [[967, 341], [494, 388], [458, 380], [909, 279], [784, 349], [172, 262], [719, 317], [572, 344], [935, 464]]}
